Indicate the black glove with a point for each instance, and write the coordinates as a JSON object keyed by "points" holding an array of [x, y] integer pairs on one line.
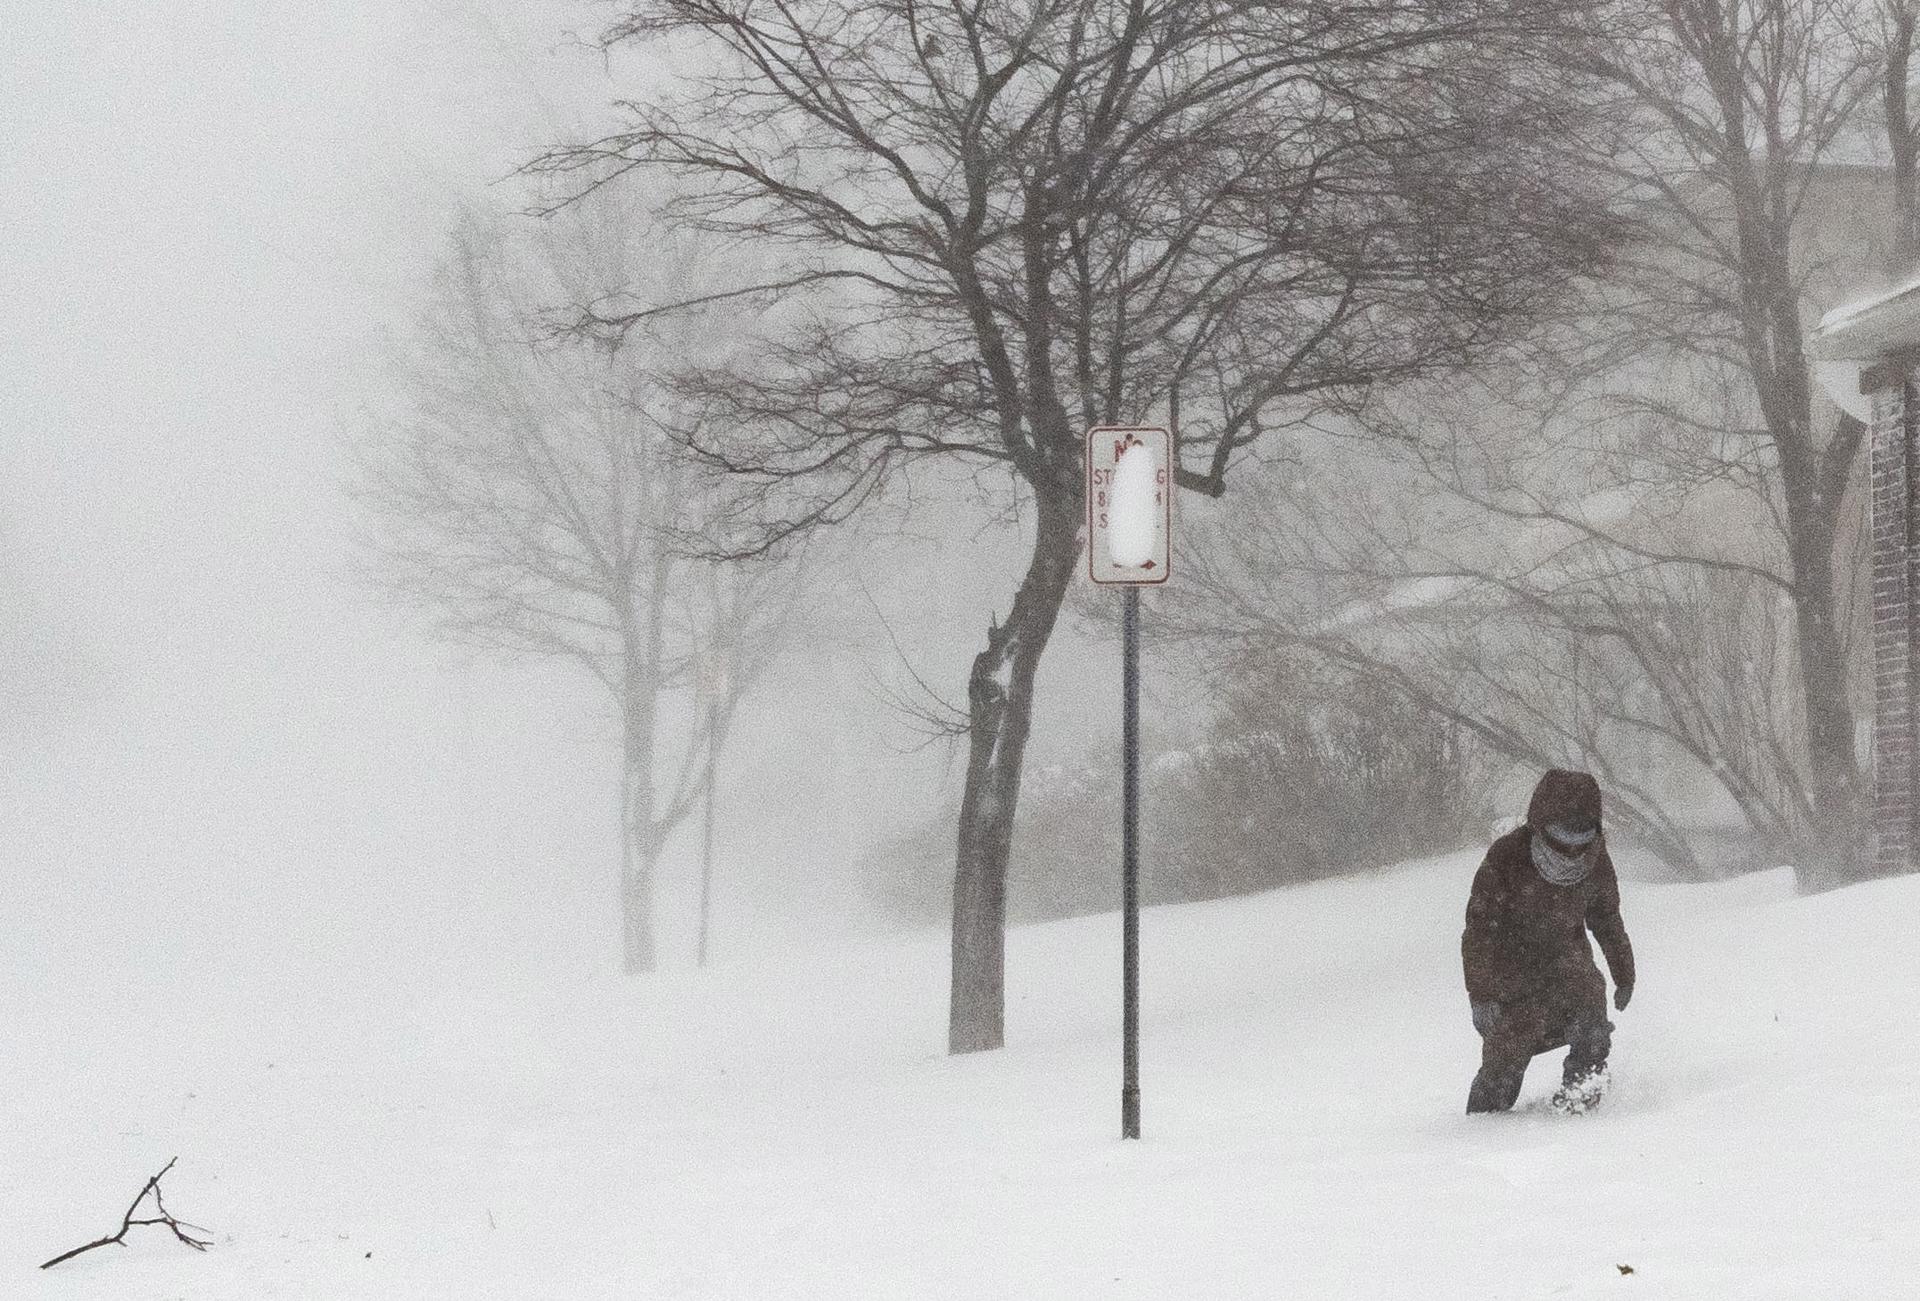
{"points": [[1485, 1015], [1622, 994]]}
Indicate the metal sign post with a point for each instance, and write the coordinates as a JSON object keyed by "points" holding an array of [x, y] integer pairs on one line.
{"points": [[1129, 536], [1130, 865]]}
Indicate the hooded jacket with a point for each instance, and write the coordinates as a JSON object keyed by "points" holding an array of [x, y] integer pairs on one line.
{"points": [[1527, 937]]}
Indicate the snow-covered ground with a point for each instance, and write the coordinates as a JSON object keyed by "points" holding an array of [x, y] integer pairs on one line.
{"points": [[793, 1129]]}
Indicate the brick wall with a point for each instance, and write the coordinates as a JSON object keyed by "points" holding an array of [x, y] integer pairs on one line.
{"points": [[1896, 584]]}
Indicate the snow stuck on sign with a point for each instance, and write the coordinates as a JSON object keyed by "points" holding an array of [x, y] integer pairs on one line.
{"points": [[1135, 511], [1129, 489]]}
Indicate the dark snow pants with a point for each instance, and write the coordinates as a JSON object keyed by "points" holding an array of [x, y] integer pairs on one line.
{"points": [[1571, 1011]]}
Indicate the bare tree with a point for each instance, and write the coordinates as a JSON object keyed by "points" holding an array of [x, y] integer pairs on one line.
{"points": [[1008, 222], [1741, 105], [530, 501], [1659, 482], [1557, 587]]}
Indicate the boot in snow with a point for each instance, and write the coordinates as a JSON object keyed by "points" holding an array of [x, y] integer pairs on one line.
{"points": [[1578, 1096]]}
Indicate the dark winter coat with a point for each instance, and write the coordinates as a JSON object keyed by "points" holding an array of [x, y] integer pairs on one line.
{"points": [[1526, 938]]}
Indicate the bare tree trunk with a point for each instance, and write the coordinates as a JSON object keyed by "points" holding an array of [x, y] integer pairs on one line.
{"points": [[636, 908], [637, 851], [639, 836], [1000, 713], [1836, 855], [1902, 139], [1813, 480], [706, 824]]}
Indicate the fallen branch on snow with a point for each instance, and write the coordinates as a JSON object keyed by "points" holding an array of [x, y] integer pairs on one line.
{"points": [[127, 1223]]}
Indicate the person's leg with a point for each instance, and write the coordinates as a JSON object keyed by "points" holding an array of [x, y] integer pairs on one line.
{"points": [[1505, 1050], [1589, 1033], [1495, 1086]]}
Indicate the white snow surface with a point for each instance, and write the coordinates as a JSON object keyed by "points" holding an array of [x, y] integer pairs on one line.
{"points": [[794, 1129]]}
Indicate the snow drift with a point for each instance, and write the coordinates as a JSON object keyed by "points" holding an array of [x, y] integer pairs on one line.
{"points": [[794, 1130]]}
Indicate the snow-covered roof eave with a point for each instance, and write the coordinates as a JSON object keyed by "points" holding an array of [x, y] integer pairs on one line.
{"points": [[1870, 327], [1408, 596]]}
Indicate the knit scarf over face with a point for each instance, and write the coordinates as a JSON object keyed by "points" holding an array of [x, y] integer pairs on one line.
{"points": [[1563, 869]]}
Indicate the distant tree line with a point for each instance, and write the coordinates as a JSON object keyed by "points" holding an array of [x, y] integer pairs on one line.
{"points": [[1298, 777]]}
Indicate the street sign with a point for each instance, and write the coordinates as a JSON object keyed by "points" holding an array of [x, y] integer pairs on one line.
{"points": [[1129, 541], [1129, 505]]}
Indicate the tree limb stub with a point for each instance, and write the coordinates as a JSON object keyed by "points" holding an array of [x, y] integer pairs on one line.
{"points": [[127, 1223]]}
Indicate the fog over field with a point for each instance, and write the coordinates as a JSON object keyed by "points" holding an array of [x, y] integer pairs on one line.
{"points": [[216, 222]]}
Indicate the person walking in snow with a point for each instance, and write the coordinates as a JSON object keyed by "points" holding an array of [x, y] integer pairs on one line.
{"points": [[1532, 984]]}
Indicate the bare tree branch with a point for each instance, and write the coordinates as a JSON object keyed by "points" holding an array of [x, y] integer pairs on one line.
{"points": [[129, 1222]]}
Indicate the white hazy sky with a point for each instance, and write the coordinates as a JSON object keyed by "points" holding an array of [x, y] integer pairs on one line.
{"points": [[211, 217], [212, 214]]}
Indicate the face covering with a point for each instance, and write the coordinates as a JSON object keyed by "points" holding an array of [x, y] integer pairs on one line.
{"points": [[1570, 865]]}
